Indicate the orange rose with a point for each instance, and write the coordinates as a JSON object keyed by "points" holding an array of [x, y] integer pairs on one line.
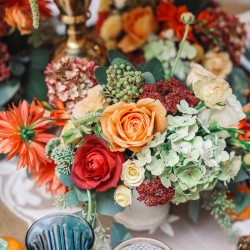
{"points": [[138, 24], [19, 17], [132, 125]]}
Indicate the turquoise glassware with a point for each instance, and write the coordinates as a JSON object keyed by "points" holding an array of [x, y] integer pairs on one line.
{"points": [[60, 232]]}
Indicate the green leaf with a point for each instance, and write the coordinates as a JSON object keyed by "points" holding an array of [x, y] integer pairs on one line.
{"points": [[120, 61], [69, 136], [193, 209], [8, 89], [3, 244], [241, 176], [119, 233], [106, 204], [17, 68], [101, 75], [239, 83], [155, 67], [66, 180], [81, 194], [113, 54], [241, 202], [71, 199], [149, 78], [39, 58]]}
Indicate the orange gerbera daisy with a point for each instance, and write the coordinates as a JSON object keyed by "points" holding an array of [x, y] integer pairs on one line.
{"points": [[46, 176], [170, 15], [23, 133]]}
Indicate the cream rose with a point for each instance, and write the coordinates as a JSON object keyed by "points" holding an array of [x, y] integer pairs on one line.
{"points": [[218, 63], [234, 166], [93, 102], [196, 73], [132, 175], [213, 92], [123, 196]]}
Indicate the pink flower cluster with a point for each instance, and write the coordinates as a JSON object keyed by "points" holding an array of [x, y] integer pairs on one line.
{"points": [[69, 79], [4, 58], [169, 93]]}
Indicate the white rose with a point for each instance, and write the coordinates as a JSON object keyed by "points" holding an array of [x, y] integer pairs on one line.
{"points": [[234, 164], [119, 4], [123, 196], [230, 115], [197, 73], [214, 92], [218, 63], [132, 174]]}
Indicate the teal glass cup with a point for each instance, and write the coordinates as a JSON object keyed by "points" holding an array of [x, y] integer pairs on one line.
{"points": [[60, 232]]}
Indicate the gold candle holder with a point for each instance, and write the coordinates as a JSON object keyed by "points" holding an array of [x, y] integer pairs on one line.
{"points": [[78, 43], [244, 243]]}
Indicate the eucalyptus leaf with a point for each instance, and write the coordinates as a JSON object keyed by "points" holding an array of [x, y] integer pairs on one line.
{"points": [[106, 204], [119, 233], [193, 209], [113, 54], [8, 89], [71, 199], [149, 78], [239, 83], [155, 67], [101, 75], [17, 68], [81, 194], [241, 176], [69, 136], [241, 202], [120, 61], [66, 180]]}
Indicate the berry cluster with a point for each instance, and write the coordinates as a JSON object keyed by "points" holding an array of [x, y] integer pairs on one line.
{"points": [[4, 59], [169, 93], [153, 193], [124, 84]]}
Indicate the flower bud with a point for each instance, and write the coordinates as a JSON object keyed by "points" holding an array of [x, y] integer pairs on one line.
{"points": [[187, 18]]}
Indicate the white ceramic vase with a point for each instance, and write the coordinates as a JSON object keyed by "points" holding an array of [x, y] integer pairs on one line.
{"points": [[139, 217]]}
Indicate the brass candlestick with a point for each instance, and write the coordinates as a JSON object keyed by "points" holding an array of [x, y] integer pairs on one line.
{"points": [[78, 43]]}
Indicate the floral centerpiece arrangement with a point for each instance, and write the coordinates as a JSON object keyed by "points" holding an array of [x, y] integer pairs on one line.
{"points": [[147, 29], [127, 128]]}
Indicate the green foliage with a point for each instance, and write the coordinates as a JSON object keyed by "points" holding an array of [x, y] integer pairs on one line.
{"points": [[241, 176], [69, 136], [35, 12], [119, 233], [66, 180], [51, 145], [8, 89], [155, 67], [105, 203], [241, 202], [218, 205], [71, 199], [148, 77], [113, 54], [239, 82], [101, 75], [81, 194]]}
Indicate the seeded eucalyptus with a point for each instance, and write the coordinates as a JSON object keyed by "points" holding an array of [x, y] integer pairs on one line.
{"points": [[124, 83]]}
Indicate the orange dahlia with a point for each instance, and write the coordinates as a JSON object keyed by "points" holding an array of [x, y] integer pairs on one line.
{"points": [[23, 133]]}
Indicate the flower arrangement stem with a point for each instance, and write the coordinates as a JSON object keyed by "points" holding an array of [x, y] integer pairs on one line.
{"points": [[35, 12], [180, 49], [89, 216]]}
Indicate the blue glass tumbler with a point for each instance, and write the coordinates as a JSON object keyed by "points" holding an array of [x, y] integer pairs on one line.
{"points": [[60, 232]]}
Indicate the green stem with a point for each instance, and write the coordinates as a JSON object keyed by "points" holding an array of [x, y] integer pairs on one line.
{"points": [[35, 12], [89, 217], [180, 50]]}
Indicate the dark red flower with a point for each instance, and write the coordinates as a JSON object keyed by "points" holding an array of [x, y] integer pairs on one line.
{"points": [[95, 166]]}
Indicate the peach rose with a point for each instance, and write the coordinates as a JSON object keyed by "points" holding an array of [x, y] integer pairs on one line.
{"points": [[132, 125], [138, 24], [19, 17], [93, 102]]}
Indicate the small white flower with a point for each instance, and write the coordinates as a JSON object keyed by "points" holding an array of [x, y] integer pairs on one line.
{"points": [[156, 166]]}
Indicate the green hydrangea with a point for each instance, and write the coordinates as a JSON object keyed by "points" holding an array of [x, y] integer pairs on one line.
{"points": [[53, 143], [165, 50]]}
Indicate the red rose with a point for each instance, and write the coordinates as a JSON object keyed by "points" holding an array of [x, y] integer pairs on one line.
{"points": [[95, 166]]}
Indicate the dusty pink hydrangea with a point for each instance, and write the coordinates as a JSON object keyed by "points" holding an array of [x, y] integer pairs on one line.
{"points": [[4, 59], [69, 79]]}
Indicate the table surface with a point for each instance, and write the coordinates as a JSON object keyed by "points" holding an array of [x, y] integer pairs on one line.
{"points": [[205, 235]]}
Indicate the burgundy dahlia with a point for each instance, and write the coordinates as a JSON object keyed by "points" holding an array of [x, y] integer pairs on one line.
{"points": [[169, 93], [153, 193]]}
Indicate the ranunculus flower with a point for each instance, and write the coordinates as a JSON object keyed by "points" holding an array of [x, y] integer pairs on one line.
{"points": [[19, 17], [196, 73], [95, 166], [93, 102], [230, 115], [138, 24], [132, 175], [218, 63], [132, 125], [213, 92], [123, 196]]}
